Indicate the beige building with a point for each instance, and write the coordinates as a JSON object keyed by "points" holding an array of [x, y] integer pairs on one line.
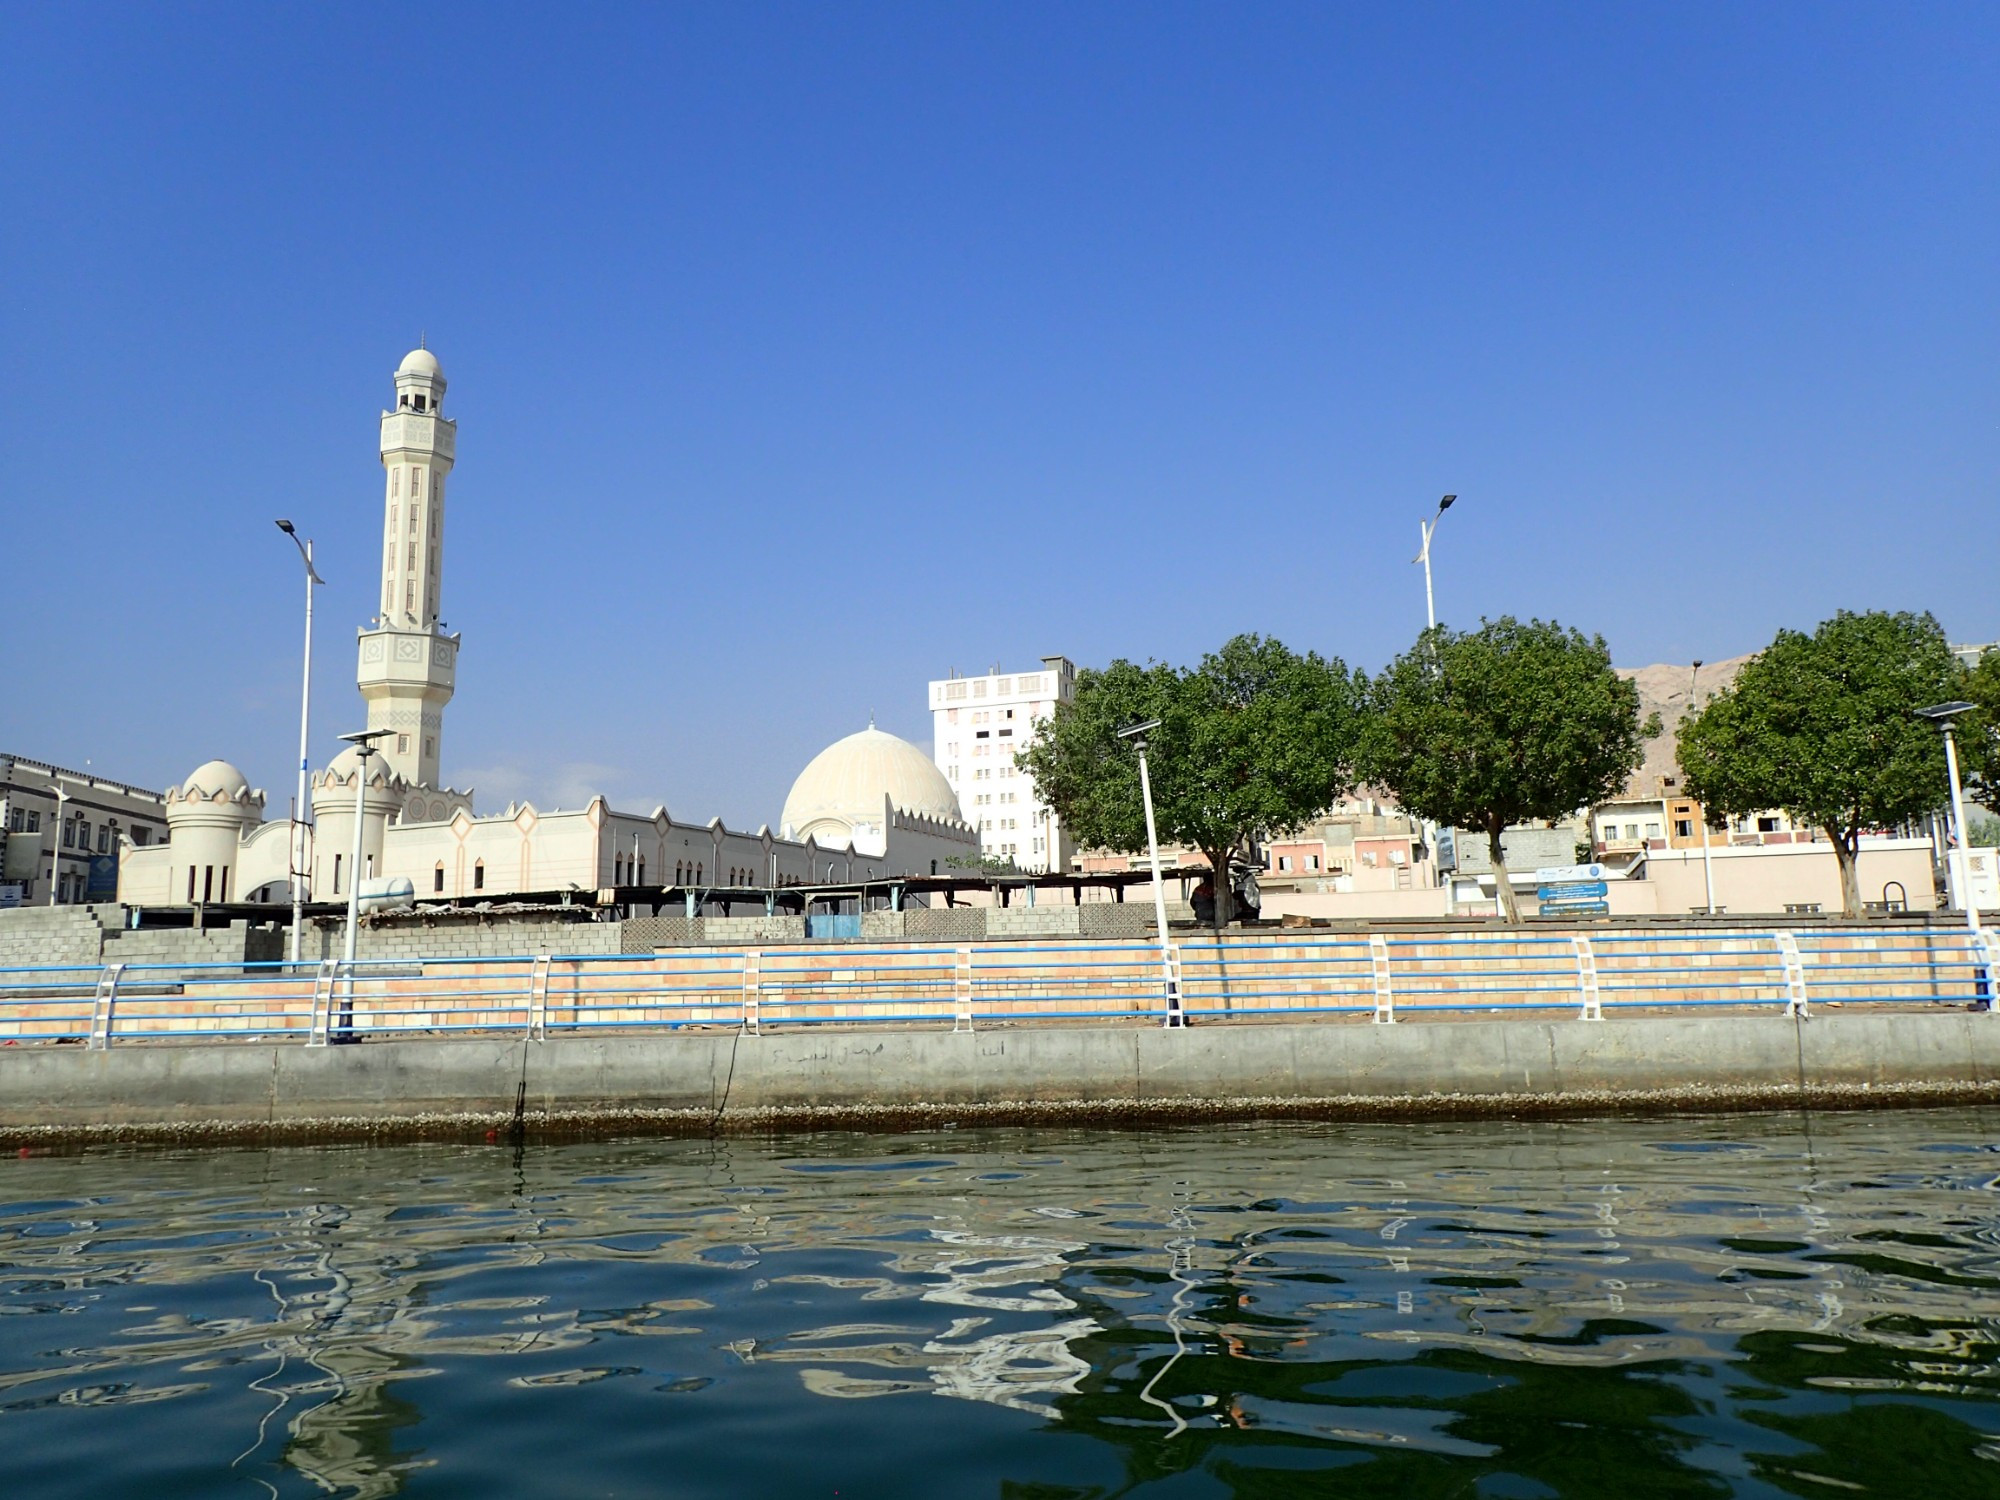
{"points": [[979, 724], [868, 807], [64, 833]]}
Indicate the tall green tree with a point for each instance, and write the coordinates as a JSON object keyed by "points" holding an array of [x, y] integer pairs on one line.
{"points": [[1979, 733], [1505, 724], [1825, 727], [1257, 738]]}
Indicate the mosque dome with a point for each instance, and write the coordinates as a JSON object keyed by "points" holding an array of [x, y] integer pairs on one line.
{"points": [[845, 784], [213, 776], [215, 789], [340, 770], [420, 362]]}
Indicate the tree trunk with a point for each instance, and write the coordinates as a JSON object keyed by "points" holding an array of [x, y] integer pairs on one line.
{"points": [[1846, 855], [1225, 893], [1502, 882]]}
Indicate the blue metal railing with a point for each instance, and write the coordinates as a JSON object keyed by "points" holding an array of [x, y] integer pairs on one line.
{"points": [[1248, 977]]}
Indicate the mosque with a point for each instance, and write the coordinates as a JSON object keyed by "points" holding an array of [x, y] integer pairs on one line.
{"points": [[868, 807]]}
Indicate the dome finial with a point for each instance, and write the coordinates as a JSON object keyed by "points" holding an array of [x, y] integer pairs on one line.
{"points": [[871, 718]]}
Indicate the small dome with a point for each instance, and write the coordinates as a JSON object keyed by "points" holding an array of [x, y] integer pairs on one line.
{"points": [[420, 362], [846, 782], [213, 776], [341, 769]]}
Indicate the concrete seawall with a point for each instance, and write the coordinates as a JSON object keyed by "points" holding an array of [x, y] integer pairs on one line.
{"points": [[901, 1079]]}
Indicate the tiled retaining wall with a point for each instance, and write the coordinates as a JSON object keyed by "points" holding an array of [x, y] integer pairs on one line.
{"points": [[1239, 975]]}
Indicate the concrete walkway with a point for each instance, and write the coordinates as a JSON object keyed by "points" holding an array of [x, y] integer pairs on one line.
{"points": [[903, 1079]]}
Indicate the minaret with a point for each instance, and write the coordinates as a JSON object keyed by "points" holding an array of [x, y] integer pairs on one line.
{"points": [[408, 664]]}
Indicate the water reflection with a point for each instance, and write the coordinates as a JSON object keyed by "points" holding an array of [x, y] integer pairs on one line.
{"points": [[1739, 1306]]}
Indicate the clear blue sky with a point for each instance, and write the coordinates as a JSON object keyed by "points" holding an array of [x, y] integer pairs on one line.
{"points": [[804, 353]]}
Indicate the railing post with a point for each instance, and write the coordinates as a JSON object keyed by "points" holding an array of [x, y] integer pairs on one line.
{"points": [[961, 989], [1795, 975], [1989, 953], [1385, 995], [752, 988], [538, 997], [1179, 984], [325, 979], [1586, 979], [102, 1006]]}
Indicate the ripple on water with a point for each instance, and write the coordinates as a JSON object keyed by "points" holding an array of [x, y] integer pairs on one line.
{"points": [[1654, 1307]]}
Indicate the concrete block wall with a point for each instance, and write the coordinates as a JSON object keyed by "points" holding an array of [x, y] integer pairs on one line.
{"points": [[945, 924], [239, 942], [1127, 918], [507, 937], [882, 926], [1033, 921], [32, 936], [644, 934], [759, 929]]}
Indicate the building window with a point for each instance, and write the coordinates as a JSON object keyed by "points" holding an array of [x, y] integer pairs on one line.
{"points": [[1767, 825], [409, 596], [402, 744], [1683, 828], [416, 488], [1285, 864], [190, 884], [437, 877], [336, 876], [479, 875], [1312, 861], [395, 487]]}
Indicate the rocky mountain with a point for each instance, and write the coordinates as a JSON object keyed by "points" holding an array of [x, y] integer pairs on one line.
{"points": [[1663, 688]]}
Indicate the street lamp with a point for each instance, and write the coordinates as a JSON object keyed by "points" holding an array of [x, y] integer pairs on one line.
{"points": [[299, 809], [1137, 735], [364, 742], [55, 838], [1942, 714], [1707, 860], [1429, 530]]}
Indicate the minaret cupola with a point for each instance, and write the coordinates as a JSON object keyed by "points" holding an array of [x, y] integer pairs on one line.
{"points": [[419, 382]]}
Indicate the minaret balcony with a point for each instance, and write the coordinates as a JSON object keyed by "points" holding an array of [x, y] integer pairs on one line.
{"points": [[419, 432]]}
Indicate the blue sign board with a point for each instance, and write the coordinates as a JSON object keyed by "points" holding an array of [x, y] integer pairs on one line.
{"points": [[102, 883], [1576, 897]]}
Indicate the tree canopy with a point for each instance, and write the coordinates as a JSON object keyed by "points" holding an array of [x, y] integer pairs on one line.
{"points": [[1506, 724], [1257, 738], [1825, 727]]}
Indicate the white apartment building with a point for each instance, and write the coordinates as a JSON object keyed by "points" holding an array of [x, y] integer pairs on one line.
{"points": [[980, 724]]}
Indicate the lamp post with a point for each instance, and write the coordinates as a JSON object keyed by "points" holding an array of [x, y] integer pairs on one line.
{"points": [[364, 742], [1137, 735], [55, 839], [1429, 530], [299, 809], [1941, 715], [1707, 861]]}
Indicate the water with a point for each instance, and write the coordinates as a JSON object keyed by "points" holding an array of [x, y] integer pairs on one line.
{"points": [[1753, 1306]]}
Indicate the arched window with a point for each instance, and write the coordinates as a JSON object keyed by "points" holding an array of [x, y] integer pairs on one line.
{"points": [[479, 874], [697, 874], [437, 877]]}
